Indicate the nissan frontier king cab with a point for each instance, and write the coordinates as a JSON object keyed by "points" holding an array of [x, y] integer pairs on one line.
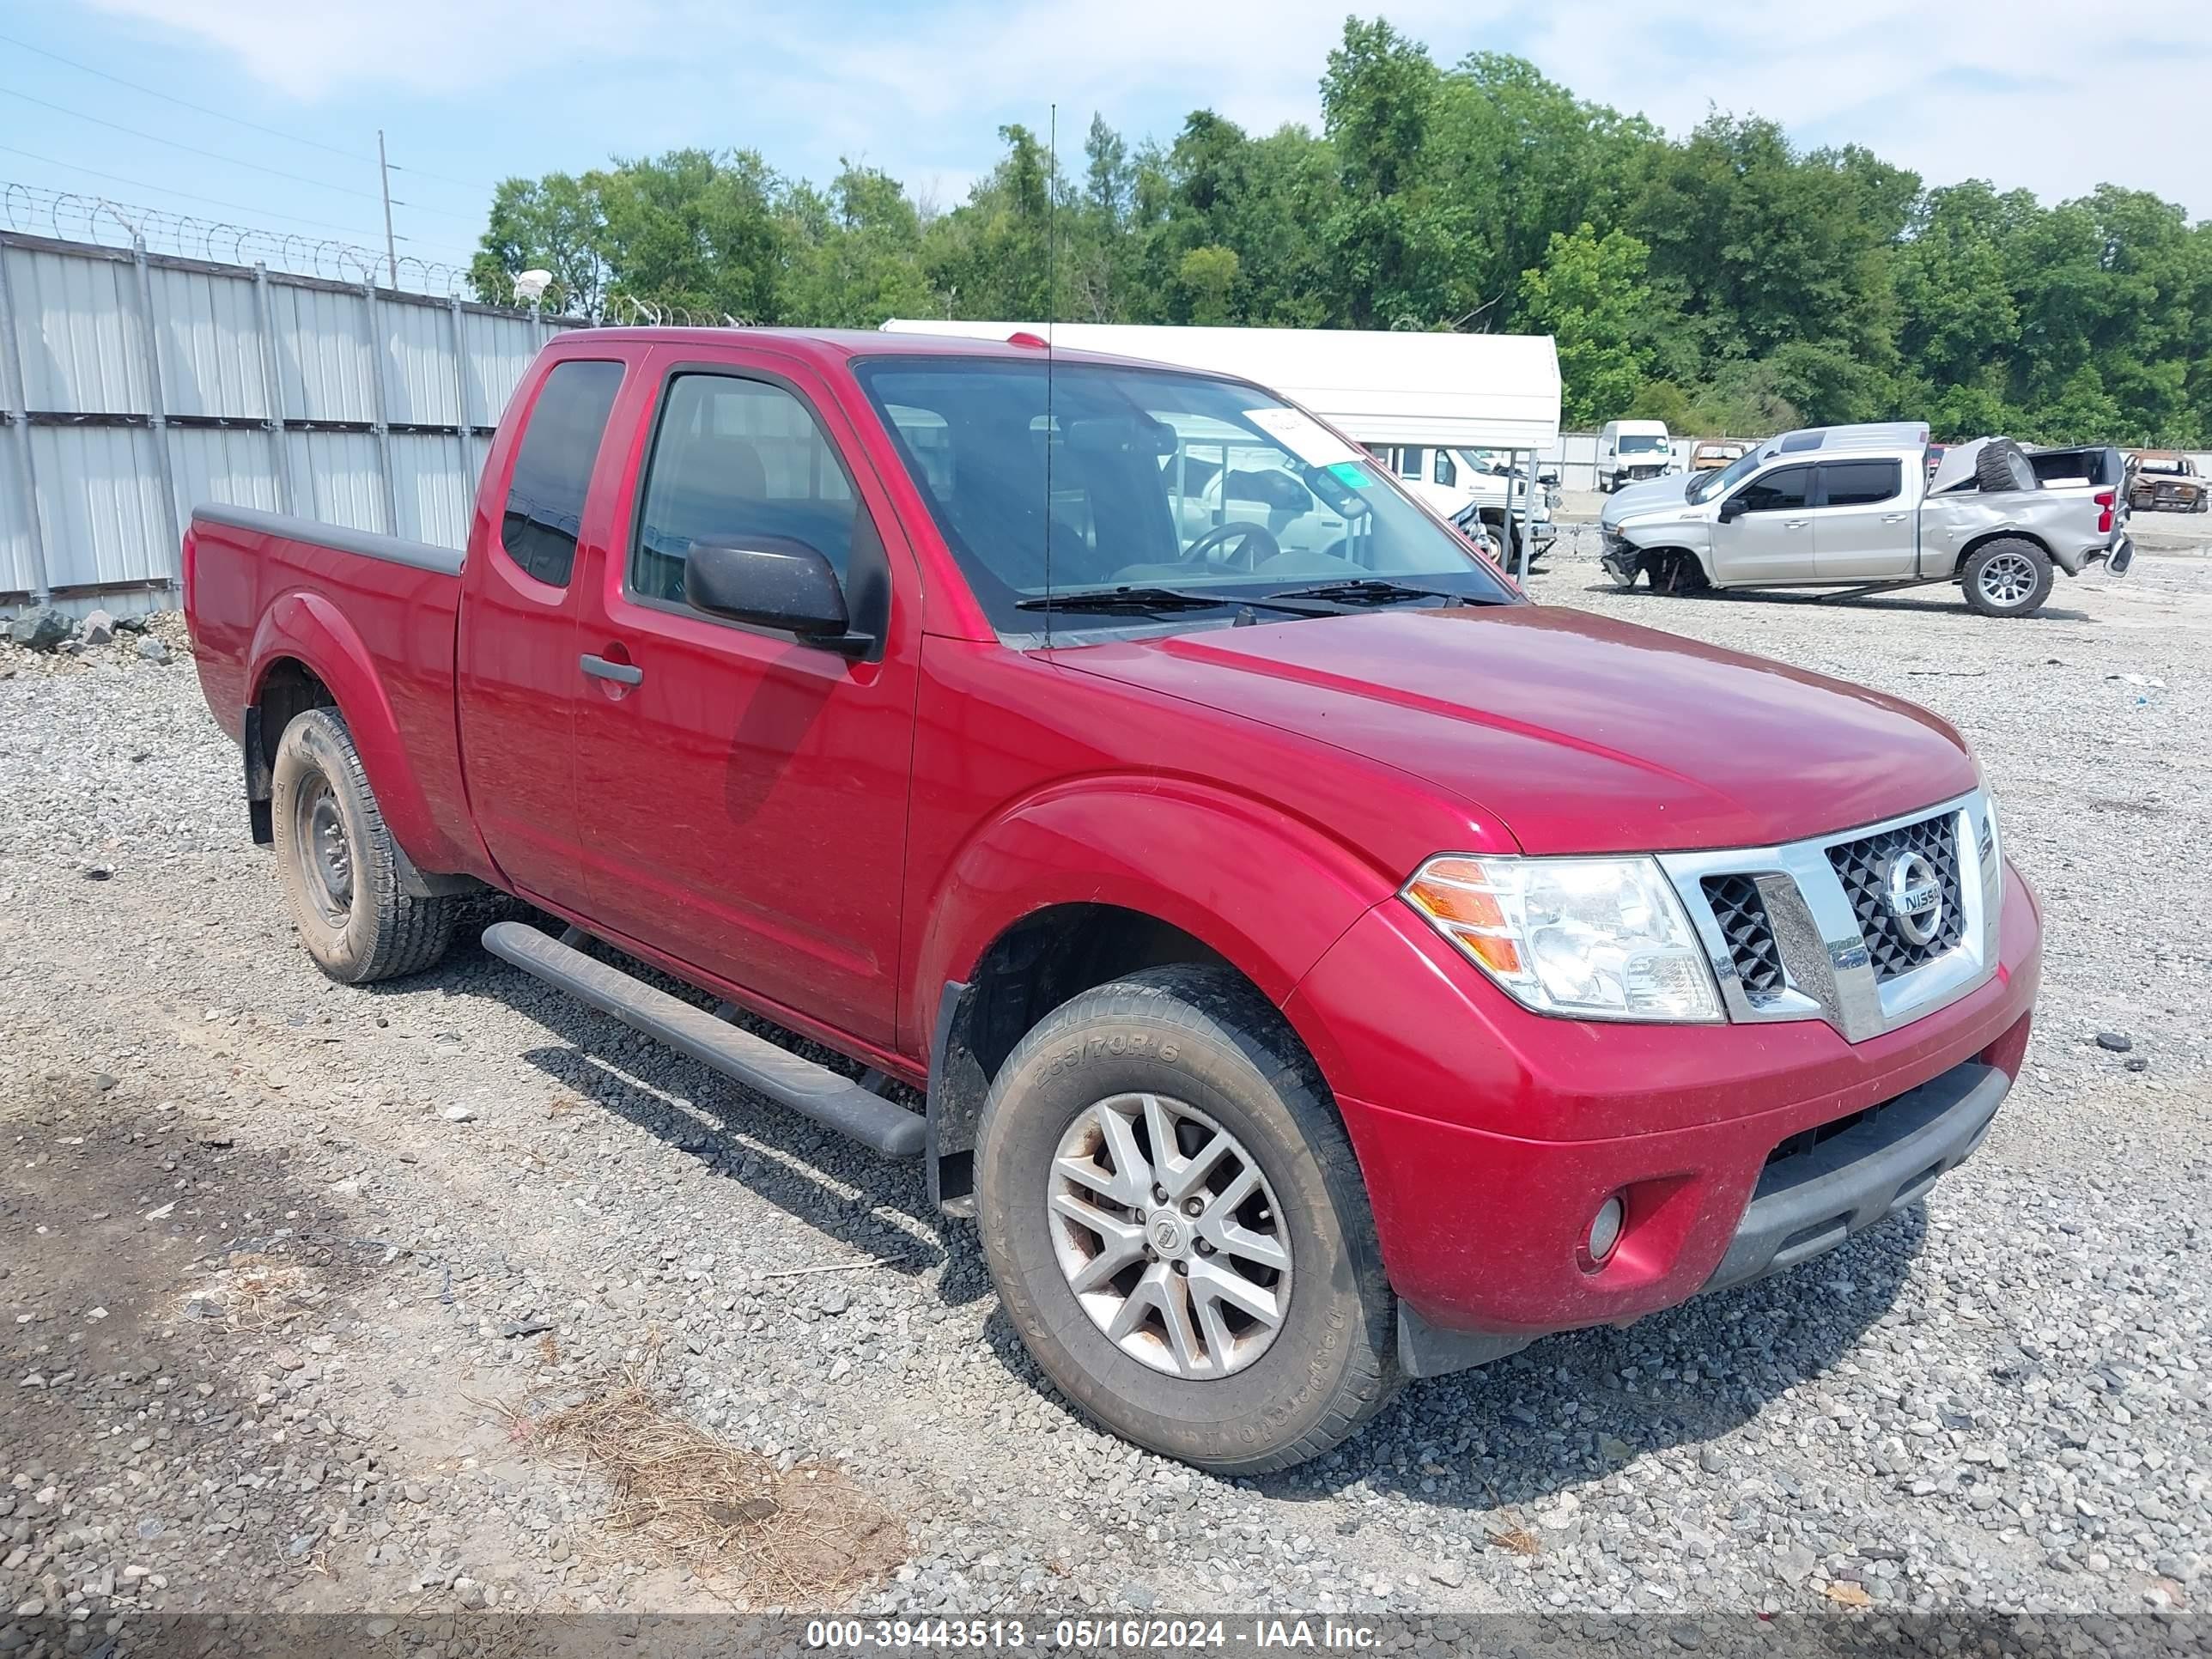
{"points": [[1321, 966]]}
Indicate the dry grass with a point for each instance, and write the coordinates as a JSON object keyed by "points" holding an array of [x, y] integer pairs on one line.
{"points": [[1519, 1539], [796, 1537], [253, 1293]]}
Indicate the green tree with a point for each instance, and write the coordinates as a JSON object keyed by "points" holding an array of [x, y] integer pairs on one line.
{"points": [[1589, 294], [1208, 275]]}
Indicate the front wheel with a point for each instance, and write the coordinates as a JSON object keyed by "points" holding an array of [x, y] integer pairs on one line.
{"points": [[2009, 576], [1176, 1226], [339, 864]]}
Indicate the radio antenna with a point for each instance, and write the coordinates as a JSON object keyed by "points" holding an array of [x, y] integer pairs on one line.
{"points": [[1051, 318]]}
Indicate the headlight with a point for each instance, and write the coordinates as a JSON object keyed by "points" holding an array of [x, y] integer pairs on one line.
{"points": [[1592, 939]]}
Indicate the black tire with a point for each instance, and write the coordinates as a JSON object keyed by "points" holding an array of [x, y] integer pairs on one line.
{"points": [[371, 929], [2007, 566], [1203, 1038], [2002, 464]]}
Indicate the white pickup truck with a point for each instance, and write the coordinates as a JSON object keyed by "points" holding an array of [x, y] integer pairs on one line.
{"points": [[1854, 508]]}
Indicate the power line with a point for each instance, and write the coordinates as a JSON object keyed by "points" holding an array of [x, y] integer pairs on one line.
{"points": [[459, 261], [185, 195], [182, 103], [216, 155], [239, 120]]}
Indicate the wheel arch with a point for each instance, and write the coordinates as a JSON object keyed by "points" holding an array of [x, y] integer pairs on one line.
{"points": [[1999, 533], [306, 654], [1098, 878]]}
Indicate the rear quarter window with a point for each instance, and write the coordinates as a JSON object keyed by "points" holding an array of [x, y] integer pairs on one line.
{"points": [[553, 467]]}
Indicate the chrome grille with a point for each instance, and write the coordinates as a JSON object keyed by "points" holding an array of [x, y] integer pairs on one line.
{"points": [[1741, 914], [1803, 930], [1863, 867]]}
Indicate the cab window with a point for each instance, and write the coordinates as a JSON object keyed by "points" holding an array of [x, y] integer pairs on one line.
{"points": [[544, 506], [1783, 490], [1861, 483]]}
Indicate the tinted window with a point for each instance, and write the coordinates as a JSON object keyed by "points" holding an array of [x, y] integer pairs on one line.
{"points": [[1446, 473], [1780, 491], [1861, 483], [733, 462], [1409, 461], [553, 468]]}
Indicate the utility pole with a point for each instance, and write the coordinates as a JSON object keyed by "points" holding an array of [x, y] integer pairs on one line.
{"points": [[390, 247]]}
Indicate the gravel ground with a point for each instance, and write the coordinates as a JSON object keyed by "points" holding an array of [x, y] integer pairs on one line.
{"points": [[280, 1253]]}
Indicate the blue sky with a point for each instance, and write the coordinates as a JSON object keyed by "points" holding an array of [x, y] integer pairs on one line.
{"points": [[469, 91]]}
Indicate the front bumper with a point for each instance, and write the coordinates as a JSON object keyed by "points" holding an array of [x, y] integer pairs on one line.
{"points": [[1490, 1136]]}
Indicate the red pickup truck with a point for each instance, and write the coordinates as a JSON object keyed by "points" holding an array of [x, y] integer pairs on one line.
{"points": [[1322, 966]]}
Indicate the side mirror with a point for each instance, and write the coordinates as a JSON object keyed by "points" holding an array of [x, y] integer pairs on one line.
{"points": [[772, 582], [1731, 509]]}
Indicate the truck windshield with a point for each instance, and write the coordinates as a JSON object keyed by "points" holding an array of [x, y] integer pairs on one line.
{"points": [[1639, 443], [1706, 485], [1153, 479]]}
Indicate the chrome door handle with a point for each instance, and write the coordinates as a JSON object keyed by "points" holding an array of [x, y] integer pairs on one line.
{"points": [[1894, 518], [622, 673], [1794, 524]]}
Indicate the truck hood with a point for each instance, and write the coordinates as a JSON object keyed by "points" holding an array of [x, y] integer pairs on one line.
{"points": [[1577, 734], [1654, 495]]}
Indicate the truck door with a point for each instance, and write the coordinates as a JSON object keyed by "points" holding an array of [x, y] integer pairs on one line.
{"points": [[742, 794], [1865, 527], [1764, 531], [515, 682]]}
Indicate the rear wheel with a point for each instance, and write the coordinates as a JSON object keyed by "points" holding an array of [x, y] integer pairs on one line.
{"points": [[1176, 1226], [2009, 576], [340, 866]]}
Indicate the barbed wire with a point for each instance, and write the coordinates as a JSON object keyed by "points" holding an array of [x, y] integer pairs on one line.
{"points": [[81, 217]]}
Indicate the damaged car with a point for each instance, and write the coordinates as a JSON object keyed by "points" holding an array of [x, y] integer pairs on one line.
{"points": [[1857, 510]]}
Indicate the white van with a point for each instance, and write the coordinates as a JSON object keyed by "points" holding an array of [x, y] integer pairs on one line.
{"points": [[1629, 452]]}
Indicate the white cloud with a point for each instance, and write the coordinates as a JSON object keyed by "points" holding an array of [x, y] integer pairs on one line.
{"points": [[2054, 94]]}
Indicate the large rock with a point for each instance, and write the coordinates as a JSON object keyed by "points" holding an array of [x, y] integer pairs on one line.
{"points": [[98, 628], [41, 628]]}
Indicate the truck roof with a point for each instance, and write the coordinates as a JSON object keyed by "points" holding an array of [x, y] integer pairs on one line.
{"points": [[1871, 434], [821, 346]]}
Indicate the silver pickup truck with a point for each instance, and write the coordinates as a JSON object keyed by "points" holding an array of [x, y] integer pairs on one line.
{"points": [[1856, 508]]}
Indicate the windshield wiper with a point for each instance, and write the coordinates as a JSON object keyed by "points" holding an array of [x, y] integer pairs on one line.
{"points": [[1156, 598], [1373, 590]]}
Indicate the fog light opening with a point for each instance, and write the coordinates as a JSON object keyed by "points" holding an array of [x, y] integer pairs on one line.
{"points": [[1604, 1230]]}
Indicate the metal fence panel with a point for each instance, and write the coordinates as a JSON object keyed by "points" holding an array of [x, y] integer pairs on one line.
{"points": [[433, 489], [325, 362], [231, 464], [280, 392], [102, 516], [340, 477], [416, 343], [18, 572], [497, 349], [79, 329], [213, 354]]}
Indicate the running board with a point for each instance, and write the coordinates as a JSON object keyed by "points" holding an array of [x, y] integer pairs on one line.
{"points": [[813, 1091]]}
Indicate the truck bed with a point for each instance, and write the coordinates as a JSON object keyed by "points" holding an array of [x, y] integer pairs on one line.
{"points": [[372, 618]]}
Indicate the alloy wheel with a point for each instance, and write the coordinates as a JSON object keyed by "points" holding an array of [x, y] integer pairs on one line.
{"points": [[1170, 1235], [2007, 581]]}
